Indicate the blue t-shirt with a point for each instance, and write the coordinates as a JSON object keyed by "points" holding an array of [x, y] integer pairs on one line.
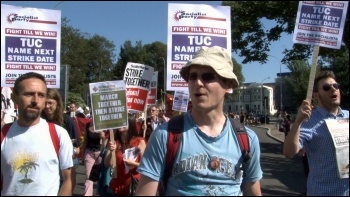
{"points": [[319, 147], [191, 174]]}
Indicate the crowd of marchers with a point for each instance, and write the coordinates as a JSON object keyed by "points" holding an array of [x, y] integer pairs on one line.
{"points": [[42, 148]]}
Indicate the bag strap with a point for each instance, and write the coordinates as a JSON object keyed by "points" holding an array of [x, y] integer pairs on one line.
{"points": [[175, 129], [54, 137], [4, 130], [243, 141]]}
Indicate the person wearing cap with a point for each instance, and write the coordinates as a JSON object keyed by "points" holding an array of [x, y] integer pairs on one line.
{"points": [[207, 135]]}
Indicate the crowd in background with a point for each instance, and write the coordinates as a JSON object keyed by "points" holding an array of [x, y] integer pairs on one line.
{"points": [[26, 148], [96, 147]]}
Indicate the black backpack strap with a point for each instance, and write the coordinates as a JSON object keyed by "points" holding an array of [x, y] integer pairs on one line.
{"points": [[243, 140], [175, 129]]}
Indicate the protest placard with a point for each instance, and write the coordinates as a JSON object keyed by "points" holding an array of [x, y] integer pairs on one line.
{"points": [[108, 104]]}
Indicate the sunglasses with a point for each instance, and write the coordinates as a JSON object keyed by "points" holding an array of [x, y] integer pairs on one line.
{"points": [[205, 77], [327, 87]]}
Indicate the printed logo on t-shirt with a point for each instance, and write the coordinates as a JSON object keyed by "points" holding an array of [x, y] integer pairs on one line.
{"points": [[25, 163]]}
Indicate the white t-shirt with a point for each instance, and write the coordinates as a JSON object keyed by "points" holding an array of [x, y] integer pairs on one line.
{"points": [[29, 163]]}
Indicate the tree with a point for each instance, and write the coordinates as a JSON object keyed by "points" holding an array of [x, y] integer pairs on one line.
{"points": [[253, 40], [77, 98], [73, 53], [91, 59], [149, 54], [101, 60], [26, 167], [298, 82], [237, 69], [340, 67], [128, 53], [153, 55]]}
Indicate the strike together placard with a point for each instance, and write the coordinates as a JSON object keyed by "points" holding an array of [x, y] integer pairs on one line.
{"points": [[138, 79]]}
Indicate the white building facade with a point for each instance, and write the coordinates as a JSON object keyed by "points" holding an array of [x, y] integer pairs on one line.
{"points": [[251, 97]]}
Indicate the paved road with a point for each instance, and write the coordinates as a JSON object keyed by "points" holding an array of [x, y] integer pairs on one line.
{"points": [[282, 177], [79, 187]]}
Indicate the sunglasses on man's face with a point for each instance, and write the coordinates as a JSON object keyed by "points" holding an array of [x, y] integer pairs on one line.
{"points": [[327, 87], [205, 77]]}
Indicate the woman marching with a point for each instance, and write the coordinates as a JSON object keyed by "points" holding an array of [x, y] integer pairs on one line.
{"points": [[126, 139]]}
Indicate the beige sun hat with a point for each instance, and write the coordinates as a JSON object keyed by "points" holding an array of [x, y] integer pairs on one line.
{"points": [[216, 57]]}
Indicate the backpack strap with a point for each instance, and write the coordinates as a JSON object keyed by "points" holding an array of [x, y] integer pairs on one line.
{"points": [[54, 137], [4, 130], [175, 129], [243, 141]]}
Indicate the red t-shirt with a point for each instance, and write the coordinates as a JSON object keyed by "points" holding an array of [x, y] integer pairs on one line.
{"points": [[120, 185]]}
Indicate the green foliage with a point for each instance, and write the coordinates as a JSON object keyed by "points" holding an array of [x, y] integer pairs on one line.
{"points": [[75, 97], [153, 54], [298, 82], [253, 40], [340, 67], [129, 53], [101, 59], [237, 69], [91, 59]]}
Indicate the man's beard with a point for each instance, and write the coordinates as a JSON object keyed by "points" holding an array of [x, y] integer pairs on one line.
{"points": [[30, 115]]}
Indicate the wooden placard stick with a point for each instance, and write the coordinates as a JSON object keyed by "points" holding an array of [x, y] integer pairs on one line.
{"points": [[144, 122], [312, 73], [114, 159]]}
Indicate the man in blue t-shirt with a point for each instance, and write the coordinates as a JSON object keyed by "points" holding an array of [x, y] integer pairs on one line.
{"points": [[209, 156]]}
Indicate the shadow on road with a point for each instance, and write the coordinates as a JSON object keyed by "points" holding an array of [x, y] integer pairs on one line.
{"points": [[288, 171]]}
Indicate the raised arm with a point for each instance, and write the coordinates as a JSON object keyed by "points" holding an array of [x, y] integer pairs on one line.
{"points": [[291, 142], [108, 159]]}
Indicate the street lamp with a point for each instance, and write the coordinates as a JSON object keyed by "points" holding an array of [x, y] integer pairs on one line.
{"points": [[165, 76], [262, 96], [281, 106]]}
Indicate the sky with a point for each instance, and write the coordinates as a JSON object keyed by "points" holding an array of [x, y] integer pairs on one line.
{"points": [[147, 21]]}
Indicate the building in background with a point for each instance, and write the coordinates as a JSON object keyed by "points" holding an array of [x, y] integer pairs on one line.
{"points": [[256, 98], [252, 97]]}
